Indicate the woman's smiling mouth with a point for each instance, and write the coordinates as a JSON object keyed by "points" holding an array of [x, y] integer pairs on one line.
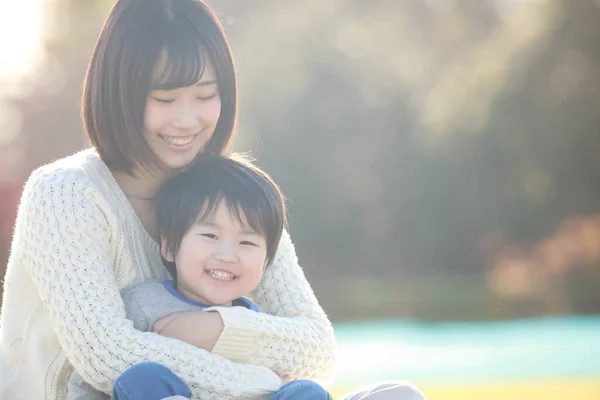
{"points": [[178, 140]]}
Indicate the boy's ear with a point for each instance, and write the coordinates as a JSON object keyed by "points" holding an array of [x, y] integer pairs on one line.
{"points": [[167, 255]]}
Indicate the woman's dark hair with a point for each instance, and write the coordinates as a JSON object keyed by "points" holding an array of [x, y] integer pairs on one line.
{"points": [[193, 195], [122, 71]]}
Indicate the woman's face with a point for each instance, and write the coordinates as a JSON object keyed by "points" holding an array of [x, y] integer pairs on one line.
{"points": [[179, 122]]}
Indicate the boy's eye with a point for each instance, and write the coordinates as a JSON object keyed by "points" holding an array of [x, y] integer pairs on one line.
{"points": [[247, 243], [209, 235]]}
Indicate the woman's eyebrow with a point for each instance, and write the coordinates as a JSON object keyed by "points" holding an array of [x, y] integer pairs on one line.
{"points": [[206, 83], [165, 86]]}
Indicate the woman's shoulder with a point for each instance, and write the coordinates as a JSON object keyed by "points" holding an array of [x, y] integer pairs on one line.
{"points": [[286, 250], [79, 171]]}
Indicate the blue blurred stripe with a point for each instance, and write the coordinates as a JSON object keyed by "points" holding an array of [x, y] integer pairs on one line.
{"points": [[468, 352]]}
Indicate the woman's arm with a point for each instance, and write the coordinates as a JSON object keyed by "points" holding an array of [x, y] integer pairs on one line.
{"points": [[296, 340], [63, 239]]}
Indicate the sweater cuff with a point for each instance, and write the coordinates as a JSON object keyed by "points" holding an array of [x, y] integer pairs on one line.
{"points": [[239, 334]]}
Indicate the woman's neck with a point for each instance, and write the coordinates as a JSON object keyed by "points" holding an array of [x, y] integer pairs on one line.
{"points": [[141, 188], [140, 184]]}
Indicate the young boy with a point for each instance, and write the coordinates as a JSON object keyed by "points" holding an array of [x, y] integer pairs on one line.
{"points": [[220, 222]]}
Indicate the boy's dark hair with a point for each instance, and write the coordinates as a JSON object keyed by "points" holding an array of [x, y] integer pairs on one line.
{"points": [[248, 192], [121, 73]]}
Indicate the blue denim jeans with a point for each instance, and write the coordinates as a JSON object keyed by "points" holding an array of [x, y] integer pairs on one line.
{"points": [[300, 390], [151, 381]]}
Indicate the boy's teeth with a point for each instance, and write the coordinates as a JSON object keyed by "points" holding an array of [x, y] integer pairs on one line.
{"points": [[178, 141], [221, 275]]}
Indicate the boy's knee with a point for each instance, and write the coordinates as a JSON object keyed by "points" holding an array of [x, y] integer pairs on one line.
{"points": [[145, 370], [303, 389], [310, 385], [149, 380]]}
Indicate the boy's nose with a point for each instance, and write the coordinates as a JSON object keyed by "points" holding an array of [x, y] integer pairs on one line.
{"points": [[226, 254]]}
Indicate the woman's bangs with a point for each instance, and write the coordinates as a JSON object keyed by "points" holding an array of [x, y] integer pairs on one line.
{"points": [[182, 62]]}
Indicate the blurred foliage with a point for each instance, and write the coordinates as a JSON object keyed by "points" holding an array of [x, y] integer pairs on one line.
{"points": [[440, 156]]}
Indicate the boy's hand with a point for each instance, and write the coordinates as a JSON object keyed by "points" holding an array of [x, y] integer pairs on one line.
{"points": [[198, 328], [161, 324]]}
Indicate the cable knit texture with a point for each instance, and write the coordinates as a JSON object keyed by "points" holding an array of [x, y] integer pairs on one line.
{"points": [[77, 243]]}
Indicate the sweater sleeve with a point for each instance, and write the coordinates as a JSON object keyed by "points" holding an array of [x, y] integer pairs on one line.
{"points": [[63, 239], [293, 336]]}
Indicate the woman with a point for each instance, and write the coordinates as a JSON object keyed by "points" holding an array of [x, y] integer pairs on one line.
{"points": [[160, 89]]}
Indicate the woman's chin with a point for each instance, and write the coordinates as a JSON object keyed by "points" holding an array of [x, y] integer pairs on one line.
{"points": [[176, 162]]}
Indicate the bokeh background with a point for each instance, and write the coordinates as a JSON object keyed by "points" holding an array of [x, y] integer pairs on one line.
{"points": [[441, 160]]}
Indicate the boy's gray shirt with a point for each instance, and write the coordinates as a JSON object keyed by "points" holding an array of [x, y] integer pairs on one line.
{"points": [[145, 303]]}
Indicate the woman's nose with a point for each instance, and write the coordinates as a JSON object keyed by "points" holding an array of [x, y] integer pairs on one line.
{"points": [[185, 117]]}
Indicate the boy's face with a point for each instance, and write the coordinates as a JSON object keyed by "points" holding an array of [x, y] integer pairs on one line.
{"points": [[219, 259]]}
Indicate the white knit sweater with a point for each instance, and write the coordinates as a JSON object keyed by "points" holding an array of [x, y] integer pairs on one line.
{"points": [[77, 243]]}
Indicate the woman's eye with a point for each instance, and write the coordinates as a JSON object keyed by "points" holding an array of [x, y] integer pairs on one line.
{"points": [[209, 235], [212, 96], [166, 101]]}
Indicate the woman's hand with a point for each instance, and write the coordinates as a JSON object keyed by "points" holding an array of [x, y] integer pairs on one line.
{"points": [[199, 328]]}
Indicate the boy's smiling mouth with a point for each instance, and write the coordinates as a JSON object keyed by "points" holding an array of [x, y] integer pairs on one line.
{"points": [[220, 275]]}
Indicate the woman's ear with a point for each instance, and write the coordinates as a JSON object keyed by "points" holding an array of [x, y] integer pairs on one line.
{"points": [[167, 255]]}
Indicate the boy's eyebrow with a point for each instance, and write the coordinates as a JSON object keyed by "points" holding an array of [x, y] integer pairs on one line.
{"points": [[251, 232], [206, 222], [212, 224]]}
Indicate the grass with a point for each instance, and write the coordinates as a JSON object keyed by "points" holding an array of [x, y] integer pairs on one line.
{"points": [[546, 390]]}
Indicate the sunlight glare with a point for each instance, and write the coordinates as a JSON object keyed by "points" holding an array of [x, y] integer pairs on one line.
{"points": [[20, 38]]}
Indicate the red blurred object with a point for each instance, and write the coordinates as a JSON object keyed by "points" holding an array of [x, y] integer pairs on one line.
{"points": [[10, 193]]}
